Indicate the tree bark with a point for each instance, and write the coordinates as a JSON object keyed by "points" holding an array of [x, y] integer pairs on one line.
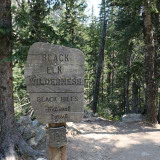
{"points": [[109, 75], [10, 140], [128, 77], [6, 87], [112, 77], [102, 94], [134, 97], [149, 63], [100, 65], [156, 19]]}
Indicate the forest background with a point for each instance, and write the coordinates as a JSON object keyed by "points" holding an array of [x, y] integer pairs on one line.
{"points": [[121, 48]]}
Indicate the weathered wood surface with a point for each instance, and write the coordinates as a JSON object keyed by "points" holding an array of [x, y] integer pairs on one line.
{"points": [[54, 77], [57, 153], [56, 137]]}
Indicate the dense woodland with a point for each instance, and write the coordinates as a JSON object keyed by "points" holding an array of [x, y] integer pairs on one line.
{"points": [[121, 49]]}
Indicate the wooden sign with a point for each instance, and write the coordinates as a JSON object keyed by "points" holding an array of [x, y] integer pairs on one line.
{"points": [[54, 77]]}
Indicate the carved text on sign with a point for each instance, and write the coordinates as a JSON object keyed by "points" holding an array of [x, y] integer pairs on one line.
{"points": [[54, 77]]}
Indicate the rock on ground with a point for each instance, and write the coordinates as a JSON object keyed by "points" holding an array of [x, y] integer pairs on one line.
{"points": [[132, 118], [31, 131], [41, 159]]}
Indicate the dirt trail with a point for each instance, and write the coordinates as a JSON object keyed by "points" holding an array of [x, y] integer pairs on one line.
{"points": [[100, 139]]}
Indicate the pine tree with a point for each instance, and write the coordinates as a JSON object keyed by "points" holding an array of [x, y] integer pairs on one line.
{"points": [[149, 63], [6, 87], [32, 23], [71, 25], [91, 49], [10, 140], [101, 58]]}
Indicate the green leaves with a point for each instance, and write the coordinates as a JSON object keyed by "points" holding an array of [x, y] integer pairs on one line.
{"points": [[154, 6]]}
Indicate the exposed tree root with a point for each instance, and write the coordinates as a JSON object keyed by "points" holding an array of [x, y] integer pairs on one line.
{"points": [[25, 149], [17, 147], [7, 150]]}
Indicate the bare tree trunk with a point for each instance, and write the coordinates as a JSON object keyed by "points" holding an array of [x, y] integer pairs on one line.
{"points": [[127, 94], [6, 87], [157, 55], [123, 93], [109, 74], [100, 66], [158, 117], [134, 97], [89, 87], [149, 63], [112, 78], [10, 140], [128, 77], [102, 96]]}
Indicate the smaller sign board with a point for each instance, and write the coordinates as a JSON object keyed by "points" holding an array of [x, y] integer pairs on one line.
{"points": [[56, 137]]}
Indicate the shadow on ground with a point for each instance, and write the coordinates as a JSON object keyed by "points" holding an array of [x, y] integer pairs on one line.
{"points": [[106, 140]]}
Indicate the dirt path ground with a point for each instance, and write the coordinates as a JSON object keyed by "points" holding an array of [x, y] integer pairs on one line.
{"points": [[100, 139]]}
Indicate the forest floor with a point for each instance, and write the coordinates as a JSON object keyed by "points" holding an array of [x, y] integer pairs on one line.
{"points": [[100, 139]]}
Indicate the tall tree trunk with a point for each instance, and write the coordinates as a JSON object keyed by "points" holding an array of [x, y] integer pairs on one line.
{"points": [[109, 83], [100, 65], [109, 77], [112, 78], [102, 96], [128, 77], [127, 95], [134, 97], [157, 54], [123, 93], [6, 87], [149, 63], [10, 140], [158, 117]]}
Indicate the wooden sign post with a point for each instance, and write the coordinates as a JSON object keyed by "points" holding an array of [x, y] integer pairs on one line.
{"points": [[54, 77], [57, 153]]}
